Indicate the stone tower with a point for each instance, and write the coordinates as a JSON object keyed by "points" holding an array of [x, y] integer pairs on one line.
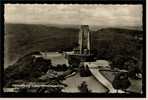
{"points": [[84, 39]]}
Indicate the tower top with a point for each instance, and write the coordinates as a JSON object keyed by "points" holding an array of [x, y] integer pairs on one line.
{"points": [[84, 26]]}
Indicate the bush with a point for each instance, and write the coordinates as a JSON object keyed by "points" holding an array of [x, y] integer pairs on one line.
{"points": [[121, 81], [27, 68]]}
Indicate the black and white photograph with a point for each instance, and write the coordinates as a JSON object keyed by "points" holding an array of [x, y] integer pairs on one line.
{"points": [[73, 48]]}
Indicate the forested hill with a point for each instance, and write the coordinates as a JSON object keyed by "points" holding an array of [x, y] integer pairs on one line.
{"points": [[25, 38], [21, 39]]}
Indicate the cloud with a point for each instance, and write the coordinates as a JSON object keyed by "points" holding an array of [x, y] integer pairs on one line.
{"points": [[111, 15]]}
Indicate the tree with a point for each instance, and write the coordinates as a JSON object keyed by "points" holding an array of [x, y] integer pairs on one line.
{"points": [[26, 69], [64, 67], [121, 81], [118, 61], [82, 71], [133, 68], [83, 88], [74, 61]]}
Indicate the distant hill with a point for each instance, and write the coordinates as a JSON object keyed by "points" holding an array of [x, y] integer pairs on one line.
{"points": [[21, 39], [140, 28], [114, 41]]}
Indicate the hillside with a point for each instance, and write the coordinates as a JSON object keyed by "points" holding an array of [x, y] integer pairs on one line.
{"points": [[21, 39], [116, 41]]}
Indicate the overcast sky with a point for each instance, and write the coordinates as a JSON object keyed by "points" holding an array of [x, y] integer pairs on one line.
{"points": [[106, 15]]}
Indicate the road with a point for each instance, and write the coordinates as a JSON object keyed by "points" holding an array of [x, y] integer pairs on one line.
{"points": [[92, 67]]}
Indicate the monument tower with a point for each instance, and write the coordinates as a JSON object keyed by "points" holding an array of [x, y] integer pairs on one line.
{"points": [[84, 39], [84, 52]]}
